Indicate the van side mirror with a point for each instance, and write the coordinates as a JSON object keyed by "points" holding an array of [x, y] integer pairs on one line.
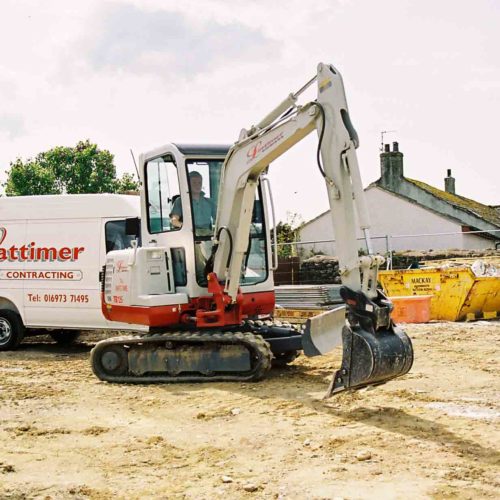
{"points": [[133, 226]]}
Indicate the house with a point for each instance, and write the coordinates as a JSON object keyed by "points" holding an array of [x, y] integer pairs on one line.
{"points": [[408, 214]]}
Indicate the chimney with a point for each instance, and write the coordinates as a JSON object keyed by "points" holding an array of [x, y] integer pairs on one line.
{"points": [[449, 183], [391, 167]]}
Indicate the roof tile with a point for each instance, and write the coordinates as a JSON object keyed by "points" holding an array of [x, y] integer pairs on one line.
{"points": [[486, 212]]}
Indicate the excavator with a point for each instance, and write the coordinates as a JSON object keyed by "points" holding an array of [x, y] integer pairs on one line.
{"points": [[200, 271]]}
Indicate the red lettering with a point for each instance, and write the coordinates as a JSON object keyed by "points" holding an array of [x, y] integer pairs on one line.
{"points": [[252, 152], [13, 252], [30, 253], [24, 252], [76, 251], [65, 253], [49, 254]]}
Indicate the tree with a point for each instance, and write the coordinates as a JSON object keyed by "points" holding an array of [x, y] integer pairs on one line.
{"points": [[70, 170], [29, 178], [286, 233], [127, 184]]}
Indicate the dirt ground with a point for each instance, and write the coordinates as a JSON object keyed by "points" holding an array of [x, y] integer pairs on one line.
{"points": [[431, 434]]}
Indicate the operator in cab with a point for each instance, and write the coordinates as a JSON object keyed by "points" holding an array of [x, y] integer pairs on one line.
{"points": [[204, 210], [204, 213]]}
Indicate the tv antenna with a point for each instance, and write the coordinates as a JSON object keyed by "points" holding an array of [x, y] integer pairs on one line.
{"points": [[382, 137]]}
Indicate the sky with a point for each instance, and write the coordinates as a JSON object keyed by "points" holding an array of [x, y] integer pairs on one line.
{"points": [[136, 74]]}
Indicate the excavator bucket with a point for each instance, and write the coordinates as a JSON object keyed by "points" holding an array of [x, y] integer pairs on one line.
{"points": [[370, 356]]}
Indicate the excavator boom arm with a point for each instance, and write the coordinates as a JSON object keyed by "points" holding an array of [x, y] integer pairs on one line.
{"points": [[272, 137]]}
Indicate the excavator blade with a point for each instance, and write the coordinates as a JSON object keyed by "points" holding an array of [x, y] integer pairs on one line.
{"points": [[371, 358], [324, 332]]}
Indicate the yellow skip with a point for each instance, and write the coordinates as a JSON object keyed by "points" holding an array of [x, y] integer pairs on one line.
{"points": [[457, 294]]}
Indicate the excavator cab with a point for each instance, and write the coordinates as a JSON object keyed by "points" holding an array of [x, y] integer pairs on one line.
{"points": [[180, 201], [203, 278]]}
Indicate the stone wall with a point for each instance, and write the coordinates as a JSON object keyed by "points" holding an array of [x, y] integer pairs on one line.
{"points": [[320, 269], [323, 269], [403, 260]]}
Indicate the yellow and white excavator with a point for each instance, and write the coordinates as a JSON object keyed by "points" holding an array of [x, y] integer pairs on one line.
{"points": [[202, 276]]}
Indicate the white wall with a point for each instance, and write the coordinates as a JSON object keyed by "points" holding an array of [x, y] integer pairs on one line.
{"points": [[395, 216]]}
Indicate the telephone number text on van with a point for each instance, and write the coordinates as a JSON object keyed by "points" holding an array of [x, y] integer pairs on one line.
{"points": [[61, 298]]}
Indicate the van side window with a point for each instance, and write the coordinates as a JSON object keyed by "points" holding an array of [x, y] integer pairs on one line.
{"points": [[162, 184], [116, 237]]}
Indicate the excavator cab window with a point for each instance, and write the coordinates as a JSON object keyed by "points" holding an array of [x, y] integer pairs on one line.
{"points": [[203, 187], [162, 196], [255, 264], [204, 180], [204, 177]]}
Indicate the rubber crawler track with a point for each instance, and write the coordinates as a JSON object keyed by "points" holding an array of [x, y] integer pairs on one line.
{"points": [[260, 353]]}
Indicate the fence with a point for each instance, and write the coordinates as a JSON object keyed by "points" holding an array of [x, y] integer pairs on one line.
{"points": [[291, 270], [288, 272]]}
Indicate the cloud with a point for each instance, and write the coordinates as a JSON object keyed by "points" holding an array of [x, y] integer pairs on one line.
{"points": [[165, 42], [8, 88], [12, 125], [482, 85]]}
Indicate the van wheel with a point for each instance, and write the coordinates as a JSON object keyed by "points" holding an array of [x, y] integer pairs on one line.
{"points": [[11, 330], [64, 337]]}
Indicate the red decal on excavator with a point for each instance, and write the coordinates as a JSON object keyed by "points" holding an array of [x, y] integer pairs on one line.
{"points": [[261, 147]]}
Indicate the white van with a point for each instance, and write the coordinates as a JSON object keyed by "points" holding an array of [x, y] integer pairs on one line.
{"points": [[52, 249]]}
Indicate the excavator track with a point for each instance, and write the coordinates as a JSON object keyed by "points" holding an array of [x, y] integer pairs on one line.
{"points": [[208, 356]]}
